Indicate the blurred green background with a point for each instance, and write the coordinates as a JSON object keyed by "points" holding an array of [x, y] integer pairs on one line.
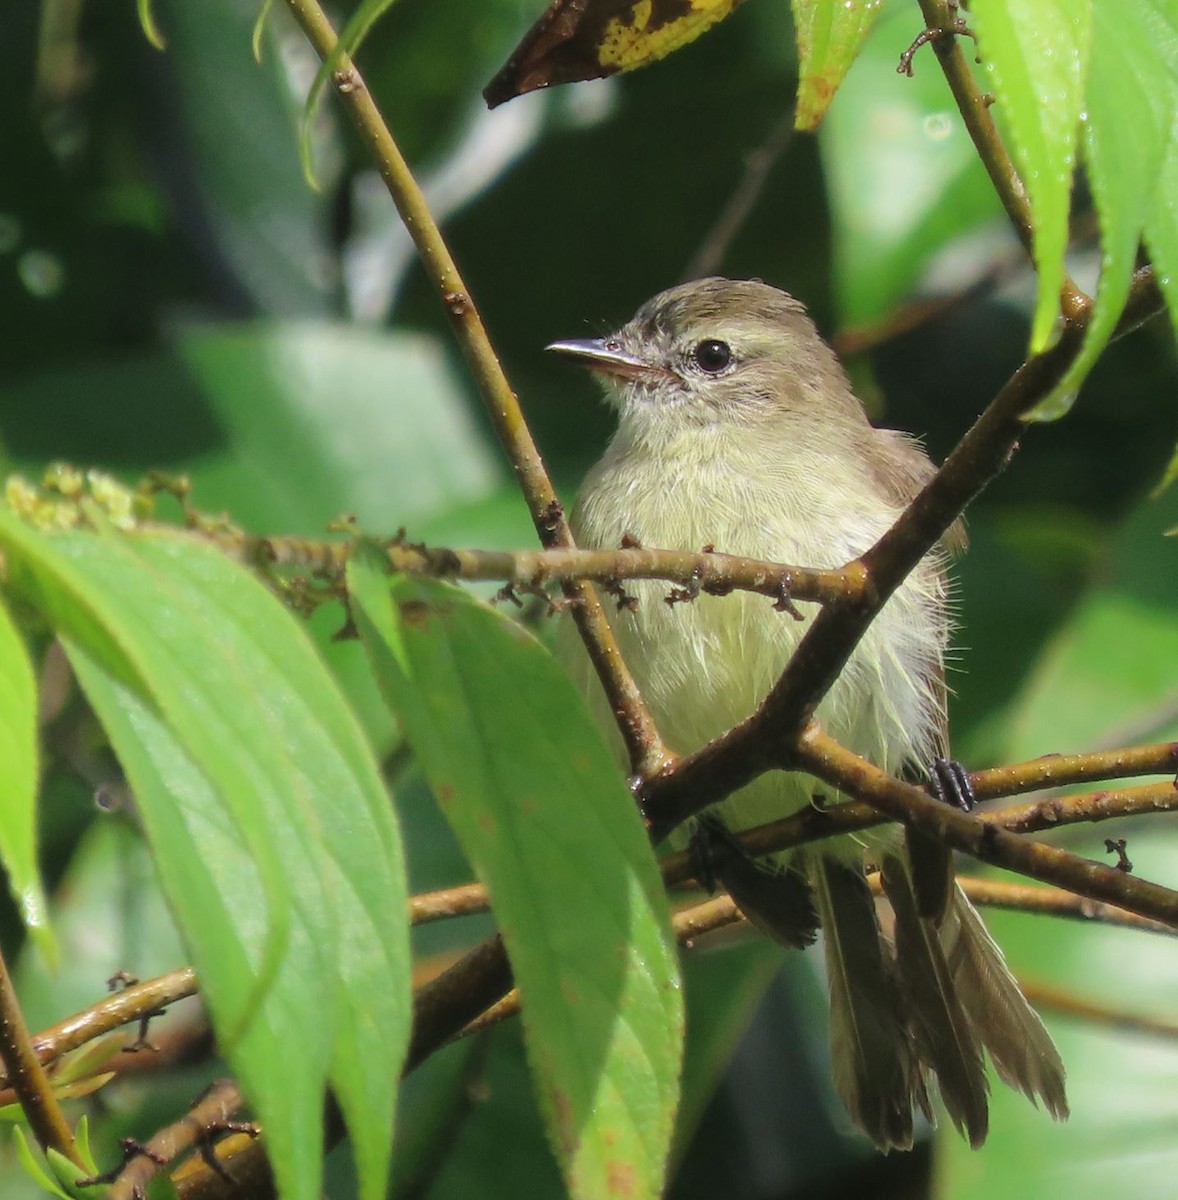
{"points": [[174, 296]]}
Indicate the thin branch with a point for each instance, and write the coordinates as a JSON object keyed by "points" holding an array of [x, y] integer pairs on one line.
{"points": [[462, 901], [704, 572], [1048, 901], [131, 1004], [646, 750], [28, 1079], [1061, 770], [448, 1003], [1067, 1004], [709, 258], [822, 756], [198, 1180]]}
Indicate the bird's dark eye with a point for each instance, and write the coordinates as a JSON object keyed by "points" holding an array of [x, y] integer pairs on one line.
{"points": [[712, 356]]}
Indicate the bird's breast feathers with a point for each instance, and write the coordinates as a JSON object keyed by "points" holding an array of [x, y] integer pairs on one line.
{"points": [[706, 664]]}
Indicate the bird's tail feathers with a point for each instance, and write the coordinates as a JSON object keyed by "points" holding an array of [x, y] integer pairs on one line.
{"points": [[876, 1070], [946, 1038], [1018, 1043]]}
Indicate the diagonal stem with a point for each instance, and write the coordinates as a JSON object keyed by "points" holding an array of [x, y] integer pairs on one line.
{"points": [[28, 1079], [643, 742]]}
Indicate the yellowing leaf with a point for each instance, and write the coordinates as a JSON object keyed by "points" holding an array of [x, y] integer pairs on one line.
{"points": [[590, 39]]}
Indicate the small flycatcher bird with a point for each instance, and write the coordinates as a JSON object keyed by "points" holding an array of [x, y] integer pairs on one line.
{"points": [[738, 429]]}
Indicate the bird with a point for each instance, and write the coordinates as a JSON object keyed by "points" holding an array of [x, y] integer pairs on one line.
{"points": [[738, 430]]}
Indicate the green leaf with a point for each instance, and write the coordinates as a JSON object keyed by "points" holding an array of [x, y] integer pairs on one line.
{"points": [[1161, 226], [68, 1173], [18, 784], [33, 1167], [266, 812], [260, 29], [903, 176], [1131, 103], [830, 34], [82, 1140], [147, 23], [1036, 52], [544, 816]]}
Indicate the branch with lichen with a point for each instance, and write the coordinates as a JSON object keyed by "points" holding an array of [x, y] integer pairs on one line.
{"points": [[693, 573]]}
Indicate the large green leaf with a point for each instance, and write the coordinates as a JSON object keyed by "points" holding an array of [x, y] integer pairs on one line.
{"points": [[545, 817], [1131, 105], [903, 176], [266, 813], [830, 33], [1037, 54], [18, 781]]}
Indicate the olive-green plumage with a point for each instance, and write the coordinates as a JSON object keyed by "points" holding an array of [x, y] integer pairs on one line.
{"points": [[737, 429]]}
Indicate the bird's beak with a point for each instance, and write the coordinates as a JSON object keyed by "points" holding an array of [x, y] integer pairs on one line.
{"points": [[606, 356]]}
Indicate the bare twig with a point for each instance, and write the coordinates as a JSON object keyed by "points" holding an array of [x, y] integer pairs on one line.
{"points": [[647, 753], [198, 1181], [121, 1008], [709, 258], [462, 901], [1067, 1004], [456, 997], [1049, 901], [813, 824], [1061, 770], [707, 571]]}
